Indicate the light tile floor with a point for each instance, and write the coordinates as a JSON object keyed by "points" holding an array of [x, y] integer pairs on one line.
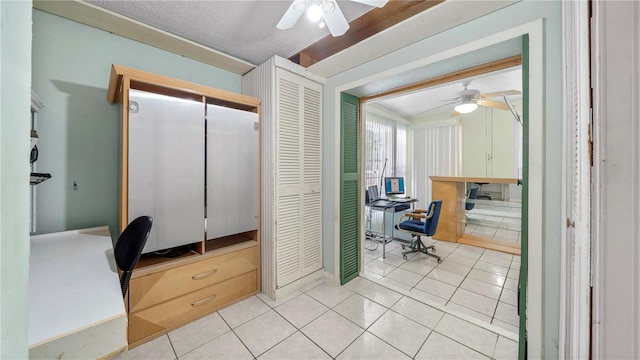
{"points": [[480, 283], [361, 320]]}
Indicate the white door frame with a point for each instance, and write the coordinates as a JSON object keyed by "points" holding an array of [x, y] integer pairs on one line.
{"points": [[616, 180], [535, 31], [575, 246]]}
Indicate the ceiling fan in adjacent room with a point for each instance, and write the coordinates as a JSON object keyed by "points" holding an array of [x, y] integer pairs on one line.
{"points": [[327, 10], [468, 100]]}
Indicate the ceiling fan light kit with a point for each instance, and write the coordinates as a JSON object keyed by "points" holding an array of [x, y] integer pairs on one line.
{"points": [[314, 12], [327, 10], [466, 108], [468, 100]]}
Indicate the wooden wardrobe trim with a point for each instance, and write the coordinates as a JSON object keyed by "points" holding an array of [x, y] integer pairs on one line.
{"points": [[176, 86]]}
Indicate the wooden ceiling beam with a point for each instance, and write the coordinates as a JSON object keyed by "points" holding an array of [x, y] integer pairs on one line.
{"points": [[362, 28]]}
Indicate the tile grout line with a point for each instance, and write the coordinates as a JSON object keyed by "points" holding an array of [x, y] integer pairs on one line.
{"points": [[465, 277]]}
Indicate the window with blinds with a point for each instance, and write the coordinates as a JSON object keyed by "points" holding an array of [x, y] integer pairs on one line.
{"points": [[385, 144]]}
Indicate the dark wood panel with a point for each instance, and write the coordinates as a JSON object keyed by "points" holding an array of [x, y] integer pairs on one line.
{"points": [[362, 28]]}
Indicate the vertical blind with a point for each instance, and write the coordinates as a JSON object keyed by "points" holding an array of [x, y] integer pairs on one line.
{"points": [[437, 151], [385, 142]]}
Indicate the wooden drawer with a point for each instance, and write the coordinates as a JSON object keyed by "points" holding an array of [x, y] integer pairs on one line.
{"points": [[159, 287], [162, 317]]}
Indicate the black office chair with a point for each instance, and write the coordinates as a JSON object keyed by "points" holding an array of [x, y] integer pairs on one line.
{"points": [[129, 248], [483, 195], [418, 228], [472, 194]]}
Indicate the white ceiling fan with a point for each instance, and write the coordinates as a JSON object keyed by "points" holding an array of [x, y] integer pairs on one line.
{"points": [[468, 100], [327, 10]]}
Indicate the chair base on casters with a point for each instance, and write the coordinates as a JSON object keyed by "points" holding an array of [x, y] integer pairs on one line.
{"points": [[419, 246]]}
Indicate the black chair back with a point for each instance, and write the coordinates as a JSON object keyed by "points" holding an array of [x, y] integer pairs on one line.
{"points": [[129, 248], [471, 194]]}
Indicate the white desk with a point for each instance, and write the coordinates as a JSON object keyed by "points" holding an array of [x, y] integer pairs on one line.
{"points": [[390, 204], [75, 302]]}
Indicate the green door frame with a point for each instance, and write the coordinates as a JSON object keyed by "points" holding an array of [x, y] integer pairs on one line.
{"points": [[524, 226]]}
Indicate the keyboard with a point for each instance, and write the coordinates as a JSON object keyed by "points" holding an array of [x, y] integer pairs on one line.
{"points": [[382, 203], [402, 199]]}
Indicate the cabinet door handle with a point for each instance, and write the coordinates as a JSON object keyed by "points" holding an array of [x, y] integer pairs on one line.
{"points": [[204, 275], [203, 301]]}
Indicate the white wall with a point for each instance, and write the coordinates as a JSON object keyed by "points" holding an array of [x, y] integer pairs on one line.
{"points": [[511, 16], [616, 212], [78, 128], [15, 97]]}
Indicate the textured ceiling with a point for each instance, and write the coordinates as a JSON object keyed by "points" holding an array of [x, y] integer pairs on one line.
{"points": [[243, 29], [247, 30]]}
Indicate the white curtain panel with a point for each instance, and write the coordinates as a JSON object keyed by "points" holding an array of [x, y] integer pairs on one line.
{"points": [[401, 150], [437, 151], [385, 142]]}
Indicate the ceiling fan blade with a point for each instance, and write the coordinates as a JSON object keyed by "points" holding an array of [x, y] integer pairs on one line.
{"points": [[291, 16], [376, 3], [499, 93], [493, 104], [454, 113], [336, 21]]}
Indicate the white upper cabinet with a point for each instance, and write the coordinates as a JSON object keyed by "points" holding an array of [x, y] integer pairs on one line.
{"points": [[491, 144]]}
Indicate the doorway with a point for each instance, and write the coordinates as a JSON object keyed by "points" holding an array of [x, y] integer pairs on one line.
{"points": [[533, 31], [417, 133]]}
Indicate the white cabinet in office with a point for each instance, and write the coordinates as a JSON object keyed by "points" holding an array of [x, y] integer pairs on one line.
{"points": [[504, 144], [474, 144], [490, 144]]}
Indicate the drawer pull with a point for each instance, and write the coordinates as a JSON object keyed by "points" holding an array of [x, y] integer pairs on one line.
{"points": [[204, 275], [203, 301]]}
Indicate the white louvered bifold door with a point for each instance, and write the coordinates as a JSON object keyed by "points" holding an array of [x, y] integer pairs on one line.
{"points": [[298, 174]]}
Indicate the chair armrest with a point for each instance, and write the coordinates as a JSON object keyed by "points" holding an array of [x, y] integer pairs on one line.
{"points": [[415, 216], [428, 212]]}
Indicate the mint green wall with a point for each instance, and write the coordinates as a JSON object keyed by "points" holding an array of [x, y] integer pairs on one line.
{"points": [[15, 97], [78, 128], [509, 17]]}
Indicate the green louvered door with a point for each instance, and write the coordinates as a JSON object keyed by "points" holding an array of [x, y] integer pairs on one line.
{"points": [[349, 226]]}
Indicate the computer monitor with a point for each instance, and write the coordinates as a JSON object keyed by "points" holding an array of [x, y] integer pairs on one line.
{"points": [[394, 185], [372, 193]]}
